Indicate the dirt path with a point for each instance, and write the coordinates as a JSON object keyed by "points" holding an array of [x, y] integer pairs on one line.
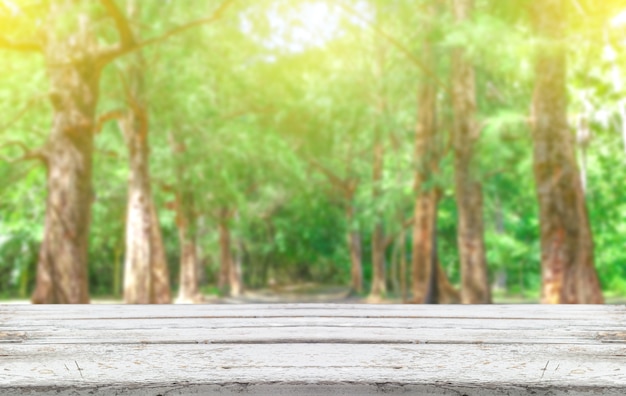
{"points": [[305, 293], [311, 293]]}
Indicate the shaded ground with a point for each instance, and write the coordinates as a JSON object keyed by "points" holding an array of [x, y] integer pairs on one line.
{"points": [[302, 293], [314, 293]]}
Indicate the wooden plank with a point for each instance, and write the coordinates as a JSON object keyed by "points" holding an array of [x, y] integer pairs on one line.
{"points": [[312, 349], [268, 328], [318, 335], [526, 366], [588, 312], [285, 330]]}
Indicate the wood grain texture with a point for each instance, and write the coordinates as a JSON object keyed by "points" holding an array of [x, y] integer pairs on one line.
{"points": [[312, 349]]}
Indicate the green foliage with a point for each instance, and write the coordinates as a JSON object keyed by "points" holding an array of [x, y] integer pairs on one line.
{"points": [[246, 116], [307, 252]]}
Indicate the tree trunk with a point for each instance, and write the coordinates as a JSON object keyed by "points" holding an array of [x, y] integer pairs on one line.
{"points": [[146, 276], [234, 278], [583, 138], [62, 266], [187, 224], [137, 259], [426, 198], [188, 291], [354, 246], [403, 268], [238, 260], [568, 272], [160, 272], [432, 297], [117, 270], [394, 270], [474, 278], [379, 287], [230, 278], [434, 286], [423, 247], [446, 293], [225, 257]]}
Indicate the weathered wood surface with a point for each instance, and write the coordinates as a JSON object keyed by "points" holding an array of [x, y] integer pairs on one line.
{"points": [[312, 349]]}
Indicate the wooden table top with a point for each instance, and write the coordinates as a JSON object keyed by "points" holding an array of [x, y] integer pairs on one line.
{"points": [[312, 349]]}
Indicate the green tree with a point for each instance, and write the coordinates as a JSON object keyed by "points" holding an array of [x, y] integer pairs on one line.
{"points": [[568, 272]]}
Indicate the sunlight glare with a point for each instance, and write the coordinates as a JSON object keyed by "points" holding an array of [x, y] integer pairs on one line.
{"points": [[300, 26], [20, 17], [619, 19], [311, 24], [10, 6]]}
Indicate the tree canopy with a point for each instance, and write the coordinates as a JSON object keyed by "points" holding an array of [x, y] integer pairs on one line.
{"points": [[270, 117]]}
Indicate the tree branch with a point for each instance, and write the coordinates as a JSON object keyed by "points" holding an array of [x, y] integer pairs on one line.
{"points": [[109, 116], [110, 54], [217, 14], [19, 175], [390, 238], [414, 59], [109, 153], [127, 39], [17, 143], [343, 185], [166, 187], [21, 113], [24, 46], [27, 154]]}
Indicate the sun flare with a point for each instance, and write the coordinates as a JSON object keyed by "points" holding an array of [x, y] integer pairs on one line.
{"points": [[19, 18], [297, 26], [311, 24]]}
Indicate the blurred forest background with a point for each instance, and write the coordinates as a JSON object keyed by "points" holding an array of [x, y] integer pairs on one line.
{"points": [[414, 150]]}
